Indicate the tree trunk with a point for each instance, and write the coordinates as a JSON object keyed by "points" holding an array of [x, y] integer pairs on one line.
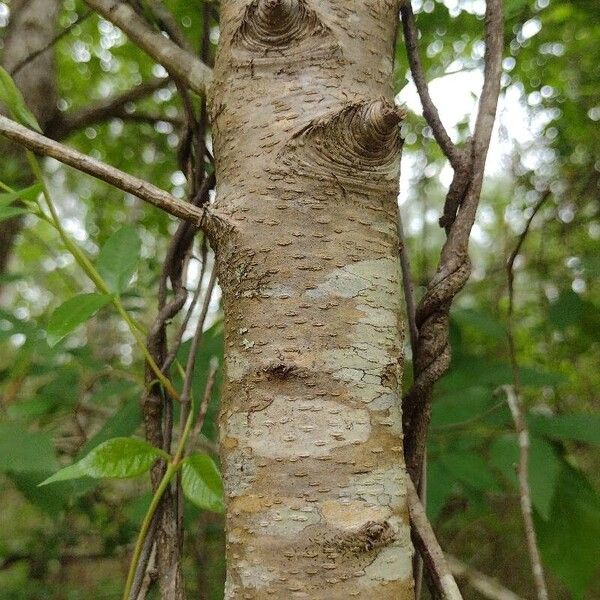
{"points": [[307, 148], [32, 26]]}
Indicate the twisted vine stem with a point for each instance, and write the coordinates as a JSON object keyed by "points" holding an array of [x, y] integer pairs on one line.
{"points": [[432, 352]]}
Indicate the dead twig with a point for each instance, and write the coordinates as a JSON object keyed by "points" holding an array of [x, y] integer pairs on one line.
{"points": [[513, 396]]}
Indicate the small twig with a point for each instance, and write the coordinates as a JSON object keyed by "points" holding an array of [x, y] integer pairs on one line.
{"points": [[210, 382], [409, 299], [128, 183], [513, 396], [113, 106], [440, 579], [487, 586], [189, 69], [407, 284], [196, 340], [516, 409], [33, 55], [510, 263], [430, 111], [147, 552]]}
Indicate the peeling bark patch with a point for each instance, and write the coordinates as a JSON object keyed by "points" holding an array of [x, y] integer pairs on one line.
{"points": [[356, 279], [390, 565], [292, 421]]}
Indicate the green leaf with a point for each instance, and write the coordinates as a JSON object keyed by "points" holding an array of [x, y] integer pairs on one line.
{"points": [[119, 257], [544, 468], [570, 539], [50, 500], [201, 482], [13, 99], [124, 422], [567, 310], [578, 427], [73, 313], [26, 195], [439, 489], [471, 470], [452, 408], [9, 212], [479, 321], [22, 451], [119, 458]]}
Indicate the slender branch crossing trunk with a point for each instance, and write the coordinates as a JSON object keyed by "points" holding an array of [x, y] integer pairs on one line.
{"points": [[307, 148]]}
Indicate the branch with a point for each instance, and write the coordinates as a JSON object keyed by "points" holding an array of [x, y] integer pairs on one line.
{"points": [[179, 62], [432, 358], [114, 106], [33, 55], [442, 583], [485, 585], [430, 112], [516, 409], [138, 187], [513, 396]]}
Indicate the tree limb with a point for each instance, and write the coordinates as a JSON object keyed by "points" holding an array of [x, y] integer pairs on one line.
{"points": [[59, 36], [128, 183], [432, 358], [516, 408], [485, 585], [441, 581], [181, 63], [430, 111], [513, 396], [108, 108]]}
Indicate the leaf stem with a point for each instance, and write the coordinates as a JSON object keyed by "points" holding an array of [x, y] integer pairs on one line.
{"points": [[175, 463], [172, 468], [89, 269]]}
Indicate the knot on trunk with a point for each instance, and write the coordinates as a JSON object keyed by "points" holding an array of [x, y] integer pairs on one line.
{"points": [[359, 144], [274, 25], [365, 539], [375, 129]]}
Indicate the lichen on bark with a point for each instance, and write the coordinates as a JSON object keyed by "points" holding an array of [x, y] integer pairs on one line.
{"points": [[307, 157]]}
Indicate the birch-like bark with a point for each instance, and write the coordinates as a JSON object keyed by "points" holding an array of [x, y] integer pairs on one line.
{"points": [[307, 158]]}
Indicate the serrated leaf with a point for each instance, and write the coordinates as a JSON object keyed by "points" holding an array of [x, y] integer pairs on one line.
{"points": [[13, 99], [201, 482], [73, 313], [119, 258], [120, 458]]}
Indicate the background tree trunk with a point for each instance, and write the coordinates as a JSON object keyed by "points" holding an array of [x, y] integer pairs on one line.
{"points": [[307, 147], [32, 26]]}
